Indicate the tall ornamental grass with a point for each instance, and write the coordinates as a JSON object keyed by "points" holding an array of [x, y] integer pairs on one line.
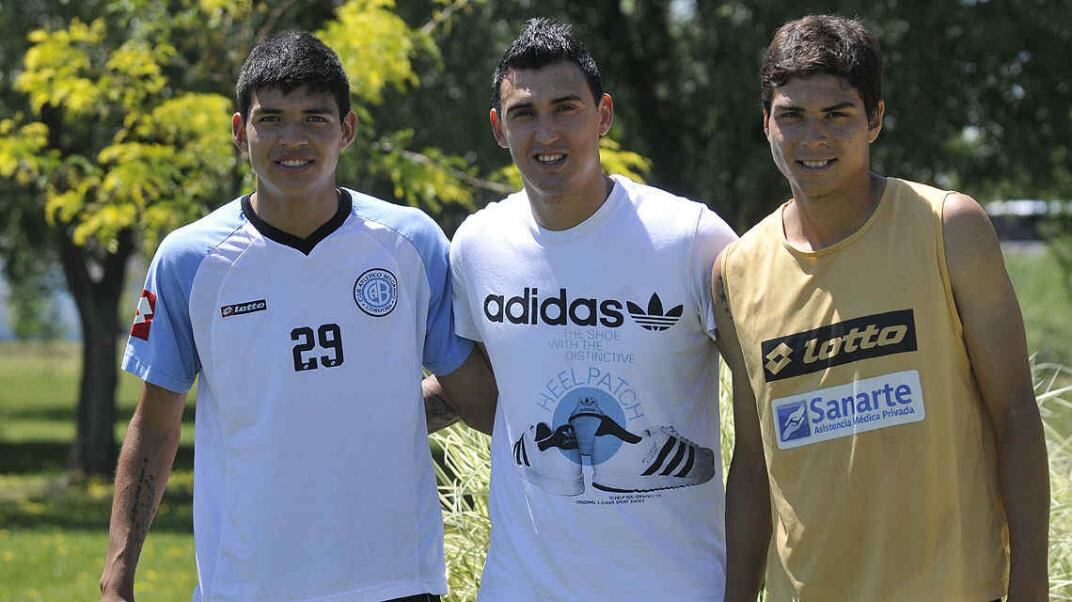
{"points": [[464, 477]]}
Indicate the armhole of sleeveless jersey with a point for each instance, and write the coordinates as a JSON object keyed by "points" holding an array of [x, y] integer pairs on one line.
{"points": [[723, 261], [943, 266]]}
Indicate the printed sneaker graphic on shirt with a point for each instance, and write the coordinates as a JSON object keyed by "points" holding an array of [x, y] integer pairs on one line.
{"points": [[550, 459], [589, 432], [654, 318]]}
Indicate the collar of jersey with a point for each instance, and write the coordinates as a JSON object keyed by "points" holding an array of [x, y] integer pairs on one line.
{"points": [[305, 245], [590, 224]]}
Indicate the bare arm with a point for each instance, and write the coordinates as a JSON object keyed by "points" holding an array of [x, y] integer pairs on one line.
{"points": [[469, 393], [144, 465], [994, 335], [748, 509]]}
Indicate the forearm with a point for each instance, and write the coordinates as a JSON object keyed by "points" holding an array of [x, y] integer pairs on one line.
{"points": [[1025, 490], [438, 412], [142, 473], [469, 392], [748, 529]]}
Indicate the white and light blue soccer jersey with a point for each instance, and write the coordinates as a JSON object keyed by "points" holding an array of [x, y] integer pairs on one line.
{"points": [[312, 475]]}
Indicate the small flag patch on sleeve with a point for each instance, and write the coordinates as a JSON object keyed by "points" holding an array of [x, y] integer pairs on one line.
{"points": [[143, 316]]}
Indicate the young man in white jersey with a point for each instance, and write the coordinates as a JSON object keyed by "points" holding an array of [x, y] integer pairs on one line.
{"points": [[591, 295], [887, 435], [305, 311]]}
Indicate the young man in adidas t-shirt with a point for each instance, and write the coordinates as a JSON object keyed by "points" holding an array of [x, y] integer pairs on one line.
{"points": [[591, 296], [305, 312], [883, 406]]}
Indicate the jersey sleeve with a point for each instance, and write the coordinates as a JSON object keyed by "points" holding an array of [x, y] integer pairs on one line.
{"points": [[160, 349], [444, 351], [712, 235], [463, 316]]}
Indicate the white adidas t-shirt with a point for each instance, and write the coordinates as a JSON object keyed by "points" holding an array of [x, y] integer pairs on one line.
{"points": [[312, 475], [606, 476]]}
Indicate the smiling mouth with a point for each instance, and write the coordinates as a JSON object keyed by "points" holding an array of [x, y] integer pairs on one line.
{"points": [[294, 163], [816, 164], [550, 159]]}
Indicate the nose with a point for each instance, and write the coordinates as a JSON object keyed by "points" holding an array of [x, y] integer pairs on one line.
{"points": [[546, 129], [293, 134], [815, 131]]}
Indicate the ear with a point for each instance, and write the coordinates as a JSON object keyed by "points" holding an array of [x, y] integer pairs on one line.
{"points": [[497, 129], [238, 133], [766, 124], [349, 129], [606, 113], [875, 126]]}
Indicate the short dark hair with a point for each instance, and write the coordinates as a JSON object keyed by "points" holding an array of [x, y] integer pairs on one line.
{"points": [[543, 42], [288, 61], [826, 44]]}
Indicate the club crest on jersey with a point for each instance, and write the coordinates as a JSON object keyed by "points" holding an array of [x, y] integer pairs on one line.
{"points": [[376, 292], [143, 315], [239, 309]]}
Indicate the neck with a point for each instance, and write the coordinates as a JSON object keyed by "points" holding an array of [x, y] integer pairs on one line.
{"points": [[817, 222], [298, 217], [564, 211]]}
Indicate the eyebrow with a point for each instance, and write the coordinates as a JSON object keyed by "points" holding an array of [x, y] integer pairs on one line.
{"points": [[835, 107], [310, 111], [555, 101]]}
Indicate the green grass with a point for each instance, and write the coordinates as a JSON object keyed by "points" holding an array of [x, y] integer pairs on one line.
{"points": [[1045, 303], [53, 527]]}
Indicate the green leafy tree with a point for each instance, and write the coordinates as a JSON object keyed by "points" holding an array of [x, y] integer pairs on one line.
{"points": [[123, 134]]}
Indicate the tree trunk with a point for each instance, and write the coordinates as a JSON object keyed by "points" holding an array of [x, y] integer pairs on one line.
{"points": [[96, 284]]}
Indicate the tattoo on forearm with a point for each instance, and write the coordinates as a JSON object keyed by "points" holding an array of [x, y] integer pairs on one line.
{"points": [[439, 413], [721, 292], [143, 506]]}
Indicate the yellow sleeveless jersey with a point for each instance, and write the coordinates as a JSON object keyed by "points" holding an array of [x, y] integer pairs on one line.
{"points": [[879, 450]]}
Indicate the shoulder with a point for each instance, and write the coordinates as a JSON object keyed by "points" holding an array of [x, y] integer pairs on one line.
{"points": [[492, 219], [968, 235], [406, 222], [660, 208], [764, 234], [407, 230], [187, 246]]}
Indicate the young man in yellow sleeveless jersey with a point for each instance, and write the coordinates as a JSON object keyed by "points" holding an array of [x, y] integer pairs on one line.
{"points": [[887, 437]]}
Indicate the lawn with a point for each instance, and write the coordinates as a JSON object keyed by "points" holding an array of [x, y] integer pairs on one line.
{"points": [[53, 527]]}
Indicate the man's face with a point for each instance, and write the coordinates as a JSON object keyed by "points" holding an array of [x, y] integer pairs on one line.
{"points": [[293, 141], [552, 125], [819, 134]]}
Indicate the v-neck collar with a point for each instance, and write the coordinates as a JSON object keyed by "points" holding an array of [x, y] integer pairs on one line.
{"points": [[304, 245]]}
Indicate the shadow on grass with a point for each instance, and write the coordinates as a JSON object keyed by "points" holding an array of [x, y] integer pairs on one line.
{"points": [[67, 414], [78, 507], [40, 456]]}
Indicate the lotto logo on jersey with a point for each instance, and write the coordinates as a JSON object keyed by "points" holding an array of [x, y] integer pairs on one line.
{"points": [[143, 315], [239, 309], [845, 410], [849, 341], [376, 292]]}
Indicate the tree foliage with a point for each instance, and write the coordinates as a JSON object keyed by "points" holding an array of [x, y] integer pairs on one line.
{"points": [[123, 134]]}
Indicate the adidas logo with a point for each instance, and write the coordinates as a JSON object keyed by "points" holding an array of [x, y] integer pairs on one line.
{"points": [[531, 308], [654, 318]]}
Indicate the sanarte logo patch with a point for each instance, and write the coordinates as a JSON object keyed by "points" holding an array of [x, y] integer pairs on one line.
{"points": [[239, 309], [850, 341]]}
